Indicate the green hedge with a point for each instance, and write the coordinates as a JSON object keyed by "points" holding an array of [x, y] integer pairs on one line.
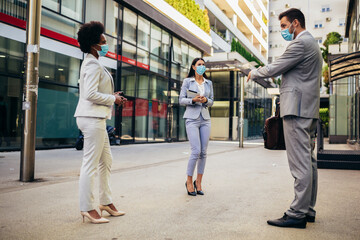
{"points": [[324, 116], [237, 47], [192, 10]]}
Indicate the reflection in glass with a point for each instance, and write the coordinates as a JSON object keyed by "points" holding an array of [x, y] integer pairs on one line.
{"points": [[51, 4], [182, 129], [165, 45], [175, 71], [157, 121], [128, 79], [143, 56], [177, 50], [95, 10], [59, 68], [158, 88], [59, 24], [184, 54], [72, 9], [155, 46], [130, 19], [141, 112], [129, 51], [158, 65], [143, 33], [142, 86], [193, 53], [112, 18], [126, 123]]}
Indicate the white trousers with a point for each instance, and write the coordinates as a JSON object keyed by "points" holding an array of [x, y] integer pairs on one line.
{"points": [[97, 152]]}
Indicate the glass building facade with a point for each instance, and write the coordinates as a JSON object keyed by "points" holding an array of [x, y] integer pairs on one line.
{"points": [[147, 61]]}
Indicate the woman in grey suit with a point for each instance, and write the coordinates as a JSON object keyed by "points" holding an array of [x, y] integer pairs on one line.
{"points": [[95, 106], [197, 94]]}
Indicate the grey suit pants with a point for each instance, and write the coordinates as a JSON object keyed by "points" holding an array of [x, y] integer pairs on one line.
{"points": [[299, 134], [198, 132]]}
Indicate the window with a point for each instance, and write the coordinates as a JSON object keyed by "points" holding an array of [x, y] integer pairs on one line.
{"points": [[129, 52], [325, 8], [158, 65], [94, 10], [177, 50], [143, 33], [193, 53], [165, 45], [318, 39], [342, 22], [318, 24], [155, 45], [112, 17], [130, 20], [73, 9], [184, 54], [143, 56], [52, 4]]}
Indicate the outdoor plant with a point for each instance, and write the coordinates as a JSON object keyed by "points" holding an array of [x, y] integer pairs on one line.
{"points": [[324, 116], [237, 47], [192, 10]]}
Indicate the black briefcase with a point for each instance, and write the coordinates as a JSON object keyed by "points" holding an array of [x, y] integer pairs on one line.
{"points": [[273, 132]]}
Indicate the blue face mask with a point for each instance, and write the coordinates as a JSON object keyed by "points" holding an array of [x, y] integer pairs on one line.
{"points": [[104, 50], [200, 69], [287, 35]]}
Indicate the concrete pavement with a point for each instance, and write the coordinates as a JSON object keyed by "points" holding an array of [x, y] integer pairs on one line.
{"points": [[243, 188]]}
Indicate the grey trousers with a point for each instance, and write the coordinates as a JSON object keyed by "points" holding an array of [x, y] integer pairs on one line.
{"points": [[198, 132], [299, 134]]}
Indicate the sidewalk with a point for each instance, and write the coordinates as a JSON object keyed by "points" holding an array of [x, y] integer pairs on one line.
{"points": [[243, 188]]}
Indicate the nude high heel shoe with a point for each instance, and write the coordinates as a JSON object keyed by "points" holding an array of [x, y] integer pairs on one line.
{"points": [[93, 220], [110, 211]]}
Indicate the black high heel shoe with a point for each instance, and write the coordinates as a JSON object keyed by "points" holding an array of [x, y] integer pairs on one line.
{"points": [[198, 192], [190, 193]]}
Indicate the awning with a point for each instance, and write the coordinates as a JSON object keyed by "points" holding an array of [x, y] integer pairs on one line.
{"points": [[344, 66]]}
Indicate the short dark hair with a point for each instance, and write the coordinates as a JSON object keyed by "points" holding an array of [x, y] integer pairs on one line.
{"points": [[89, 34], [292, 14], [192, 71]]}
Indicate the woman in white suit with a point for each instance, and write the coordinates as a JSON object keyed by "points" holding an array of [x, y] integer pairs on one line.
{"points": [[96, 99]]}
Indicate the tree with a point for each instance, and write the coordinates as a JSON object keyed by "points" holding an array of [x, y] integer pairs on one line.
{"points": [[325, 74], [331, 38]]}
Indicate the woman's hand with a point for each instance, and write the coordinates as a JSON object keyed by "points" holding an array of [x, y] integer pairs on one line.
{"points": [[203, 99], [119, 100], [197, 98]]}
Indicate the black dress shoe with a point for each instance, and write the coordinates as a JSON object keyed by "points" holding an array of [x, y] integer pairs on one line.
{"points": [[198, 192], [287, 221], [190, 193], [310, 218]]}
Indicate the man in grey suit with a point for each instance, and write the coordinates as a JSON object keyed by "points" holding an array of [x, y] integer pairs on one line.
{"points": [[300, 66]]}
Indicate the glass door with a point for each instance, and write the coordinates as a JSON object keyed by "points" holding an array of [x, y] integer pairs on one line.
{"points": [[127, 121]]}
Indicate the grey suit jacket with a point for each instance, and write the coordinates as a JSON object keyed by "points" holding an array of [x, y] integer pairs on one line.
{"points": [[300, 66], [96, 88], [193, 111]]}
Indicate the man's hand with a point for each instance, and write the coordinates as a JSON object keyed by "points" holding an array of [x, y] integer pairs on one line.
{"points": [[249, 77]]}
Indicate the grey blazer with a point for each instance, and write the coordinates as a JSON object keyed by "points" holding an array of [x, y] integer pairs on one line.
{"points": [[300, 66], [96, 90], [193, 111]]}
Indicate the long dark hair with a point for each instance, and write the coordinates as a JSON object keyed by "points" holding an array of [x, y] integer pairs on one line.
{"points": [[192, 71]]}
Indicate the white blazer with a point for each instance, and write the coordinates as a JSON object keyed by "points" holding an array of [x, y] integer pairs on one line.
{"points": [[96, 88]]}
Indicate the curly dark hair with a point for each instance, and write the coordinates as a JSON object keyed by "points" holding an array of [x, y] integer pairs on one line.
{"points": [[89, 34]]}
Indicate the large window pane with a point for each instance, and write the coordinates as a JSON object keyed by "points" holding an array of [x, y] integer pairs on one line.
{"points": [[141, 112], [182, 129], [165, 45], [177, 50], [59, 68], [158, 65], [73, 9], [129, 53], [143, 33], [158, 88], [51, 4], [130, 20], [155, 40], [112, 17], [59, 24], [143, 56], [175, 71], [55, 125], [142, 85], [126, 121], [128, 78], [95, 10], [193, 53], [184, 54], [157, 121]]}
